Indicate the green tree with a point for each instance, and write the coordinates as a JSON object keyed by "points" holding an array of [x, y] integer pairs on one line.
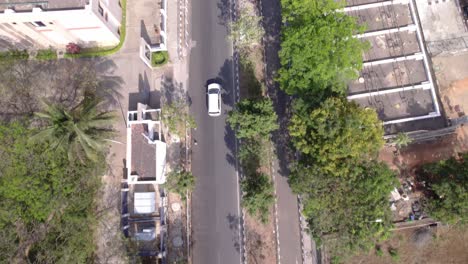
{"points": [[180, 182], [46, 201], [330, 56], [349, 212], [176, 118], [447, 181], [336, 131], [258, 195], [81, 131], [253, 118], [246, 30]]}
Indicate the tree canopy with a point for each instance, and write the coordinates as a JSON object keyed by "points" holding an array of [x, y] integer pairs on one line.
{"points": [[336, 131], [81, 131], [253, 117], [447, 181], [46, 201], [318, 50], [352, 208]]}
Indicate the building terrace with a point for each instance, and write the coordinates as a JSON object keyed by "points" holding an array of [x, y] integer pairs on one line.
{"points": [[396, 79]]}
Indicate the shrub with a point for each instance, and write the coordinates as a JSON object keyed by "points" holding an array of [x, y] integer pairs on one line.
{"points": [[379, 251], [73, 48], [394, 254], [159, 58], [180, 182]]}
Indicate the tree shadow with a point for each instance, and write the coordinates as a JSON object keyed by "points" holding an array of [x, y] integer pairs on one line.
{"points": [[225, 77], [250, 87], [26, 83], [173, 91], [230, 140], [234, 221], [225, 7], [271, 11]]}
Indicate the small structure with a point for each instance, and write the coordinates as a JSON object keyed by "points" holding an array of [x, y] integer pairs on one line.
{"points": [[146, 151], [159, 43]]}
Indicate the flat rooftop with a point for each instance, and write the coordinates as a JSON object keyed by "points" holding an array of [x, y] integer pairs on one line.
{"points": [[383, 17], [389, 75], [28, 5], [395, 79], [391, 45], [400, 105], [143, 154]]}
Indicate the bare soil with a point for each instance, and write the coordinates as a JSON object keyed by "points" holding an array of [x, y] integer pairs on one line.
{"points": [[426, 152], [260, 241], [177, 229]]}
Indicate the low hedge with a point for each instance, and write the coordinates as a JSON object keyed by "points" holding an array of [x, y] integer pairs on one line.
{"points": [[14, 55], [98, 52], [159, 58], [48, 54]]}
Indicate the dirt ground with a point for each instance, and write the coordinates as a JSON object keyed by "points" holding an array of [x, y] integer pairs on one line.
{"points": [[260, 241], [418, 246], [449, 245], [426, 152], [452, 79]]}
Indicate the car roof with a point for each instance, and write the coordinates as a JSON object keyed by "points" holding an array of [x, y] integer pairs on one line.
{"points": [[213, 105]]}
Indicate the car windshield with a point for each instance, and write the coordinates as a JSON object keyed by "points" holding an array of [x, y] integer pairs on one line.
{"points": [[213, 91]]}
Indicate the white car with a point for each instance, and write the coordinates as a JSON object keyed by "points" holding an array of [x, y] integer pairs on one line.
{"points": [[214, 99]]}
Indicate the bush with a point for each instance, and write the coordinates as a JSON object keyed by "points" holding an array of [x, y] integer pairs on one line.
{"points": [[159, 58], [180, 182], [48, 54], [379, 251], [73, 48], [394, 254], [447, 193]]}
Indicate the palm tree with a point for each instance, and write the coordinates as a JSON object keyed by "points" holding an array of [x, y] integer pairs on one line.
{"points": [[402, 140], [81, 131]]}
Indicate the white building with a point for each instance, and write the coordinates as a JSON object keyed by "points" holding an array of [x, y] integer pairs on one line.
{"points": [[146, 149], [39, 24]]}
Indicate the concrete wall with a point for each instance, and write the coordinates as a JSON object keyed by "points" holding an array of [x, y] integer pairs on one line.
{"points": [[86, 27]]}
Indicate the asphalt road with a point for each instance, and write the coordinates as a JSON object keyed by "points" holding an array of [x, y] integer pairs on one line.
{"points": [[215, 201]]}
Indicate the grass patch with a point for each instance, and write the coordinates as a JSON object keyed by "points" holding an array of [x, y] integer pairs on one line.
{"points": [[48, 54], [159, 58], [14, 55], [99, 52]]}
